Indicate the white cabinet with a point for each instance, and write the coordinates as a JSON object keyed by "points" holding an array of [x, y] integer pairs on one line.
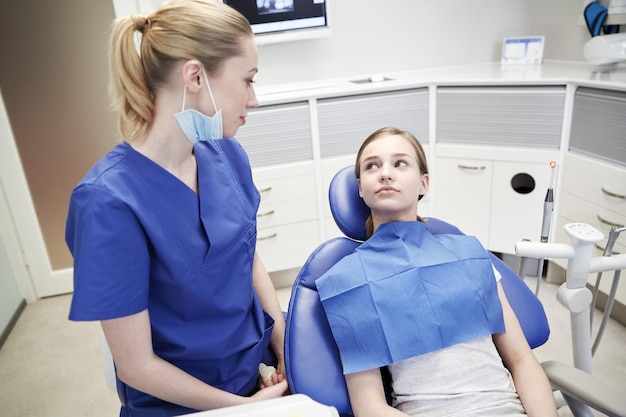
{"points": [[279, 142], [594, 172], [498, 199], [463, 194], [492, 155], [345, 122], [598, 125], [594, 192], [518, 193], [529, 117], [277, 134], [287, 220]]}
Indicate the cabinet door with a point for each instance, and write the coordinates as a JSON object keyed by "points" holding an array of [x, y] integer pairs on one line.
{"points": [[519, 190], [463, 195], [277, 134], [345, 122], [501, 116], [598, 124]]}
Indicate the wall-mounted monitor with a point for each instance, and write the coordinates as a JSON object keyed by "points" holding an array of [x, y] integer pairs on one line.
{"points": [[275, 21]]}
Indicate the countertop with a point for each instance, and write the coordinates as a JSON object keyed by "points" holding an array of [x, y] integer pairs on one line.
{"points": [[548, 73]]}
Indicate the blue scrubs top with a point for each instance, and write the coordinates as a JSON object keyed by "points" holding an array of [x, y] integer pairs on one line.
{"points": [[142, 239]]}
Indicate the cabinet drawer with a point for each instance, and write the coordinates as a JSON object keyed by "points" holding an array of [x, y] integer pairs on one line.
{"points": [[599, 183], [287, 247], [285, 183], [287, 212], [286, 189]]}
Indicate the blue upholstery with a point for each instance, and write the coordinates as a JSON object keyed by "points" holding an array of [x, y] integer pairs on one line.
{"points": [[311, 356]]}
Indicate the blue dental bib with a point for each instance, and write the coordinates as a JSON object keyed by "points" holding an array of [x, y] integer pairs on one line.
{"points": [[407, 292]]}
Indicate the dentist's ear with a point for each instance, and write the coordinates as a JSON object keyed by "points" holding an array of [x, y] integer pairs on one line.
{"points": [[192, 75]]}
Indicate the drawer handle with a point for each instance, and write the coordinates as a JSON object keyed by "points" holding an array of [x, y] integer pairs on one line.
{"points": [[612, 194], [604, 249], [266, 189], [472, 168], [267, 213], [608, 222], [272, 236]]}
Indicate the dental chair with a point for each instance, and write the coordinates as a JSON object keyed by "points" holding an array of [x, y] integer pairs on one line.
{"points": [[311, 356]]}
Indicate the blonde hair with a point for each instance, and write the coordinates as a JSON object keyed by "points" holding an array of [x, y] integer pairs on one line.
{"points": [[419, 153], [206, 30]]}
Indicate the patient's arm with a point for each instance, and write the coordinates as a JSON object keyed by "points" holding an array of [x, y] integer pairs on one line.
{"points": [[367, 395], [530, 380]]}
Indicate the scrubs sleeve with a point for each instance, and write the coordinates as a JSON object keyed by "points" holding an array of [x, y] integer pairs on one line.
{"points": [[111, 256]]}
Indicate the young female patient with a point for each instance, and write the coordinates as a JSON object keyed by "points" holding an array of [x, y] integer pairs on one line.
{"points": [[430, 307]]}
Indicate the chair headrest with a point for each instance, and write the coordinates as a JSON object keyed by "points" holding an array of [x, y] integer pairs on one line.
{"points": [[348, 208]]}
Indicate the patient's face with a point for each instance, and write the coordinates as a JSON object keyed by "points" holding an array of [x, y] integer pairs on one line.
{"points": [[391, 181]]}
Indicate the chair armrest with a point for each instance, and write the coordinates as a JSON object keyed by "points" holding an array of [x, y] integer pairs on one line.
{"points": [[586, 388]]}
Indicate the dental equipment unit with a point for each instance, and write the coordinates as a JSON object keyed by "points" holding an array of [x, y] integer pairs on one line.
{"points": [[573, 294]]}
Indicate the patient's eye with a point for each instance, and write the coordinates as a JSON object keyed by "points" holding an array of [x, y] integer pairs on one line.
{"points": [[401, 163], [371, 165]]}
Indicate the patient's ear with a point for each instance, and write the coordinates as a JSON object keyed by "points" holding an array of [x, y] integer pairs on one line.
{"points": [[358, 181], [425, 181]]}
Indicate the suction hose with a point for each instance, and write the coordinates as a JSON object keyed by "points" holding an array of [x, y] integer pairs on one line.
{"points": [[613, 235]]}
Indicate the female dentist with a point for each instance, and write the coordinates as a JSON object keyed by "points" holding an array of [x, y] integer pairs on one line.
{"points": [[163, 228]]}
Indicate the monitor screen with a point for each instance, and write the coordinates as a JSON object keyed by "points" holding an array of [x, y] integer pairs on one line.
{"points": [[283, 20]]}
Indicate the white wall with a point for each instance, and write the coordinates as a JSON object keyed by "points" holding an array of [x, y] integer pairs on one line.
{"points": [[10, 296], [558, 21], [10, 293], [374, 37], [14, 278]]}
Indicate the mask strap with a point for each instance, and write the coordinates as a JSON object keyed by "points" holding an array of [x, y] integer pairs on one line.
{"points": [[209, 87], [184, 96]]}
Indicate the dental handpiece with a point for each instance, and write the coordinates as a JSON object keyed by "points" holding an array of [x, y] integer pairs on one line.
{"points": [[548, 206]]}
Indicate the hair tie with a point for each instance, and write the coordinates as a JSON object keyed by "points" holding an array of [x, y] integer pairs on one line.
{"points": [[141, 23]]}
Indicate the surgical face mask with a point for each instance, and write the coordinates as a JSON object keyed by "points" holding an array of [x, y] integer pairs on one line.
{"points": [[198, 126]]}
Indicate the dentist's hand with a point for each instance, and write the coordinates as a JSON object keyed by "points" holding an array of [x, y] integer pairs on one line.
{"points": [[278, 389]]}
